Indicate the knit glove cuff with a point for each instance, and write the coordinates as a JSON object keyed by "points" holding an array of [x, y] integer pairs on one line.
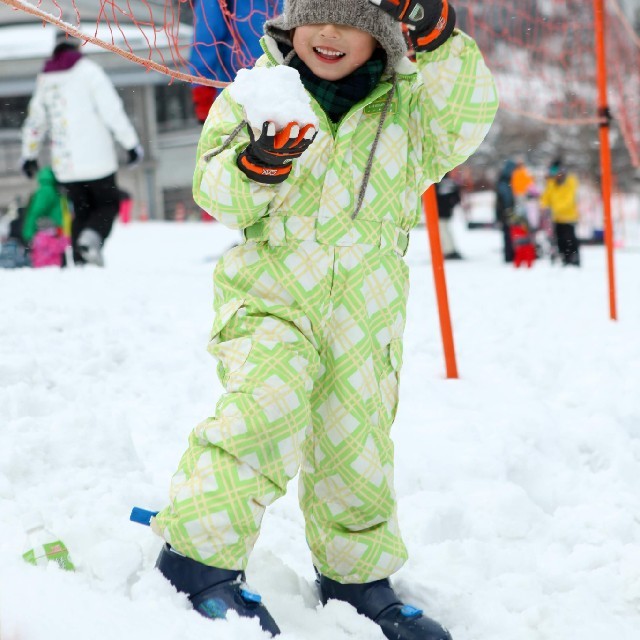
{"points": [[431, 37], [429, 22], [257, 170], [268, 158]]}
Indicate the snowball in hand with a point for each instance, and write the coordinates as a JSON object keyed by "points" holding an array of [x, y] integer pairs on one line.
{"points": [[273, 94]]}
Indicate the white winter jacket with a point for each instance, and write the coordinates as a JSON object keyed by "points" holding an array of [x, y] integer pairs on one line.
{"points": [[81, 111]]}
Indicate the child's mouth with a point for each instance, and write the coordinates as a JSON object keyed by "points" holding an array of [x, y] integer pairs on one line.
{"points": [[328, 55]]}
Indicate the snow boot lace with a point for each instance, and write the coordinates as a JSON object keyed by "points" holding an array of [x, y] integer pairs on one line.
{"points": [[213, 592], [379, 602]]}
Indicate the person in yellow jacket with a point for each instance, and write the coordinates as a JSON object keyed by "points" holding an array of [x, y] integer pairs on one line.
{"points": [[560, 198]]}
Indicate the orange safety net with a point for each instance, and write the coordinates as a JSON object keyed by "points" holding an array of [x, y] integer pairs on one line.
{"points": [[543, 56], [541, 51], [198, 41]]}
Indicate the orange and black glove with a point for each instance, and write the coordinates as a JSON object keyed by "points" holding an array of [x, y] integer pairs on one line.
{"points": [[429, 22], [268, 158]]}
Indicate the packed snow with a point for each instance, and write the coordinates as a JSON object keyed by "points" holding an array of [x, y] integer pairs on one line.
{"points": [[518, 484], [272, 94]]}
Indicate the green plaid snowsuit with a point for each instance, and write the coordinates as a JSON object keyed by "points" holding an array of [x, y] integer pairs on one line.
{"points": [[310, 313]]}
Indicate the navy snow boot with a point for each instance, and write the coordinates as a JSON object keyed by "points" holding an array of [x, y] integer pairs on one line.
{"points": [[379, 602], [214, 591]]}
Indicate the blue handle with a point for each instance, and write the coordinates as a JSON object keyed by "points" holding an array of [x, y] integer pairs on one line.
{"points": [[142, 516]]}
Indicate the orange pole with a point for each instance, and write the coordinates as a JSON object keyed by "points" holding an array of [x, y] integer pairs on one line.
{"points": [[430, 206], [605, 149]]}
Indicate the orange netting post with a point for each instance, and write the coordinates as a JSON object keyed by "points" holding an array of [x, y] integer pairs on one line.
{"points": [[605, 149], [430, 206]]}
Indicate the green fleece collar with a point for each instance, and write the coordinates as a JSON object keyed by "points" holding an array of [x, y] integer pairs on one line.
{"points": [[337, 97]]}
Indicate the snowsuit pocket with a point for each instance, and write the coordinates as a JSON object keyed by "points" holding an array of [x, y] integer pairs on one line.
{"points": [[231, 352], [389, 380]]}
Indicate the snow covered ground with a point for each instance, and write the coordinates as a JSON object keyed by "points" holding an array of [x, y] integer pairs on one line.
{"points": [[519, 484]]}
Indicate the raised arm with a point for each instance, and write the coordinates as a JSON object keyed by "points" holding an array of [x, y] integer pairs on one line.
{"points": [[239, 174], [458, 101]]}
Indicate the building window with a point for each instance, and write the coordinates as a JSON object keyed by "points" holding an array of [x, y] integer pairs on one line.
{"points": [[13, 112], [174, 107]]}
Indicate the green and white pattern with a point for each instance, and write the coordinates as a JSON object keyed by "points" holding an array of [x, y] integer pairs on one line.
{"points": [[310, 313], [55, 551]]}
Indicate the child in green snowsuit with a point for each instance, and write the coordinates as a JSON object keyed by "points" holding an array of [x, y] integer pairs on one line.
{"points": [[44, 206], [310, 309]]}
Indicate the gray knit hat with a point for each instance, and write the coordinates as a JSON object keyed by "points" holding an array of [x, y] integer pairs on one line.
{"points": [[360, 14]]}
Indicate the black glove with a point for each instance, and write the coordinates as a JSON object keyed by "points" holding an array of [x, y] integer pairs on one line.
{"points": [[430, 22], [135, 155], [30, 168], [268, 158]]}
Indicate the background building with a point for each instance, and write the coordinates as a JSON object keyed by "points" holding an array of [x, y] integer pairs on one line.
{"points": [[161, 112]]}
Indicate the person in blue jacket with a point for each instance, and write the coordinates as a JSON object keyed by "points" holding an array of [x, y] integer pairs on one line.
{"points": [[505, 205], [226, 39]]}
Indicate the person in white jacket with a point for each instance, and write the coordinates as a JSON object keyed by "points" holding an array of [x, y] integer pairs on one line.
{"points": [[76, 104]]}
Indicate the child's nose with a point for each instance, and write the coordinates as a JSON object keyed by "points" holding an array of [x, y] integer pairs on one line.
{"points": [[329, 31]]}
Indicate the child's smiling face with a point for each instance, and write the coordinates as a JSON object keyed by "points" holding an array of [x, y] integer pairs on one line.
{"points": [[333, 51]]}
